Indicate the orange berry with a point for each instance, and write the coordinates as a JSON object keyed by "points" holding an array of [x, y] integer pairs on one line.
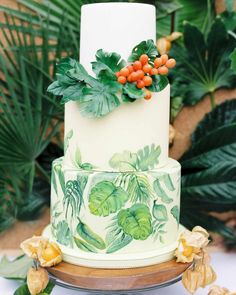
{"points": [[137, 65], [130, 68], [129, 79], [143, 59], [157, 62], [153, 72], [140, 84], [140, 74], [147, 80], [121, 80], [134, 76], [163, 70], [147, 68], [124, 72], [171, 63], [117, 74], [164, 58], [148, 95]]}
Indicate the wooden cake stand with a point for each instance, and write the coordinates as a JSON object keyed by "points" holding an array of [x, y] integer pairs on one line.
{"points": [[120, 281]]}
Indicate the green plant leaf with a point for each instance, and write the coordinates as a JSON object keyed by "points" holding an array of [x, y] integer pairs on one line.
{"points": [[48, 289], [22, 290], [175, 213], [105, 198], [145, 47], [63, 233], [16, 269], [159, 82], [201, 69], [125, 161], [136, 221], [233, 60], [166, 7], [148, 157], [159, 212]]}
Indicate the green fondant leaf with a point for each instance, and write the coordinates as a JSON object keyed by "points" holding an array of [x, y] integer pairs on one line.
{"points": [[159, 82], [124, 162], [161, 193], [100, 100], [175, 212], [136, 221], [105, 198], [132, 91], [63, 233], [148, 157], [145, 47]]}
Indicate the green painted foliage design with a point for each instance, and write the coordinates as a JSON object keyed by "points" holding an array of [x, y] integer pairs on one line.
{"points": [[74, 195], [77, 159], [175, 213], [145, 159], [159, 212], [82, 245], [86, 233], [67, 139], [165, 180], [60, 174], [105, 198], [136, 221], [116, 239], [63, 233]]}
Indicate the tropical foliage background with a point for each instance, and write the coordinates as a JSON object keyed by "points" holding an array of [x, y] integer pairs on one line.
{"points": [[35, 34]]}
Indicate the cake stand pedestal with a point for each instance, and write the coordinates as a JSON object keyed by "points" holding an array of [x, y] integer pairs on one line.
{"points": [[117, 281]]}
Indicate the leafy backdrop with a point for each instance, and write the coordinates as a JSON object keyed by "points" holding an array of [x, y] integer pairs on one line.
{"points": [[37, 33]]}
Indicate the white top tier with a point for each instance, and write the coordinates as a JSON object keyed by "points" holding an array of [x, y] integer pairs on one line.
{"points": [[114, 27], [117, 27]]}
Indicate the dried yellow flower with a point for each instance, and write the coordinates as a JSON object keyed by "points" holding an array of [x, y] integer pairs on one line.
{"points": [[163, 45], [192, 280], [207, 273], [30, 246], [174, 36], [217, 290], [184, 252], [37, 280], [50, 255]]}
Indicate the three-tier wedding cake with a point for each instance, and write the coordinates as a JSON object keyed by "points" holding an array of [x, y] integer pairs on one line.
{"points": [[115, 195]]}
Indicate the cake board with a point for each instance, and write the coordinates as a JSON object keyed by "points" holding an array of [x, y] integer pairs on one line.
{"points": [[117, 281]]}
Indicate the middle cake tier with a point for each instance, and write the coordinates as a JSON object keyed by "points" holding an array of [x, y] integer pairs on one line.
{"points": [[115, 212]]}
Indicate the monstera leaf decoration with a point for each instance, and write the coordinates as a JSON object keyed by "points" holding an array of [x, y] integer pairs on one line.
{"points": [[136, 221]]}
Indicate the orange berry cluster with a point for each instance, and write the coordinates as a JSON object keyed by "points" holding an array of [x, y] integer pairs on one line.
{"points": [[140, 71]]}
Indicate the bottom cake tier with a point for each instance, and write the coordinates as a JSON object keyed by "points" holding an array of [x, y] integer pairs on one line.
{"points": [[115, 219]]}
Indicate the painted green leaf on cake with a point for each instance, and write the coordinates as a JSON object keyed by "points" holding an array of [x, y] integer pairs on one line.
{"points": [[139, 188], [145, 47], [53, 180], [86, 233], [167, 181], [74, 195], [125, 161], [148, 157], [136, 221], [68, 136], [161, 193], [159, 212], [116, 239], [60, 174], [105, 198], [175, 212], [82, 245], [63, 233], [77, 160], [107, 64], [132, 91], [100, 99]]}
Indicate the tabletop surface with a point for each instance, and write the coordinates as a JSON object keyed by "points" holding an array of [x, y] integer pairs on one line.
{"points": [[223, 263]]}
